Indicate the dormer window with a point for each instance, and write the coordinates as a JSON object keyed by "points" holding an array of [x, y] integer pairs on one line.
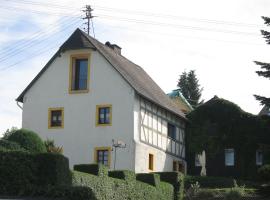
{"points": [[79, 73]]}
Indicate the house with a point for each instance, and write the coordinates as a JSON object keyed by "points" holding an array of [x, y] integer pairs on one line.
{"points": [[234, 143], [180, 101], [265, 111], [88, 96]]}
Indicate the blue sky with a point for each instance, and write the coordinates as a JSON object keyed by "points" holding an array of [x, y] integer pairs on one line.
{"points": [[219, 39]]}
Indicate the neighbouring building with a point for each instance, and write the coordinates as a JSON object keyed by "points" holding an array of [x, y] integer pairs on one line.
{"points": [[88, 95], [180, 101], [265, 111], [235, 143]]}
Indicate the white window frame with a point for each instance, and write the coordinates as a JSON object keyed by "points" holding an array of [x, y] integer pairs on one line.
{"points": [[229, 161]]}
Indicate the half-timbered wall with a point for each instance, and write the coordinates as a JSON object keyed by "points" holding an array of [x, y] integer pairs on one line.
{"points": [[154, 129]]}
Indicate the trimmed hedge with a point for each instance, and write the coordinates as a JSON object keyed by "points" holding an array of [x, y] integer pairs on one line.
{"points": [[123, 174], [6, 145], [152, 179], [209, 182], [22, 172], [95, 169], [28, 140], [264, 172], [177, 180], [106, 187]]}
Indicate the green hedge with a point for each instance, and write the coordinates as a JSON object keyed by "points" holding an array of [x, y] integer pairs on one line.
{"points": [[6, 145], [95, 169], [177, 180], [152, 179], [123, 174], [264, 172], [106, 187], [209, 182], [28, 140], [21, 172]]}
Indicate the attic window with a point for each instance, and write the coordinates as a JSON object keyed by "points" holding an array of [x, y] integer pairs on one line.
{"points": [[79, 73]]}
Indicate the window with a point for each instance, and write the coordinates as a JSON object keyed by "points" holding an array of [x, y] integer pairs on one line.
{"points": [[151, 161], [103, 115], [229, 157], [103, 155], [171, 131], [79, 73], [56, 118], [259, 157], [178, 166], [197, 160]]}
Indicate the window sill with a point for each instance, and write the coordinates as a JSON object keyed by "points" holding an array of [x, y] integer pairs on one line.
{"points": [[56, 127], [78, 91], [103, 124]]}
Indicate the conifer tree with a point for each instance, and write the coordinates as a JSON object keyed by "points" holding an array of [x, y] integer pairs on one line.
{"points": [[189, 86], [265, 67]]}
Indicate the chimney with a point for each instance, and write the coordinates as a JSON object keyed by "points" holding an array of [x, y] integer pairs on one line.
{"points": [[114, 47]]}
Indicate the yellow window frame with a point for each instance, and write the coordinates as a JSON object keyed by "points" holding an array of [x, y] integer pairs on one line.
{"points": [[97, 114], [50, 115], [109, 149], [73, 57], [151, 158]]}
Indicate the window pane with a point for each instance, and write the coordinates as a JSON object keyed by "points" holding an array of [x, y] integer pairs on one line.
{"points": [[104, 115], [259, 157], [56, 118], [171, 131], [80, 74], [229, 157]]}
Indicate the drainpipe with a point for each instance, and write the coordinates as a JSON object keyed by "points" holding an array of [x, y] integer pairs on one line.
{"points": [[19, 105]]}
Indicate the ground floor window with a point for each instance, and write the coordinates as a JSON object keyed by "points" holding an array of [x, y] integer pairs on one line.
{"points": [[56, 118], [151, 161], [103, 155], [178, 166], [259, 157], [229, 157]]}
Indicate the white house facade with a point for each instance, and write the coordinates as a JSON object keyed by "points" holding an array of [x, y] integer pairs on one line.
{"points": [[88, 94]]}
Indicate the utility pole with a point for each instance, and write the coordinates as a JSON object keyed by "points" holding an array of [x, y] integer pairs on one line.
{"points": [[88, 16]]}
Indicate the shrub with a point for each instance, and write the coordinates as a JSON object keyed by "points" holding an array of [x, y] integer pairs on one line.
{"points": [[209, 182], [51, 147], [6, 145], [264, 172], [152, 179], [95, 169], [53, 169], [106, 187], [205, 194], [27, 139], [235, 192], [17, 172], [21, 173], [123, 174]]}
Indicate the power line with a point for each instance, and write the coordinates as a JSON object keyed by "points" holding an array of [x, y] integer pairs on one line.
{"points": [[28, 45], [34, 36], [177, 25], [88, 16], [40, 50]]}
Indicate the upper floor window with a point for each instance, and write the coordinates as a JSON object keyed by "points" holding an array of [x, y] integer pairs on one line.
{"points": [[259, 157], [79, 73], [56, 118], [229, 157], [103, 115], [171, 131]]}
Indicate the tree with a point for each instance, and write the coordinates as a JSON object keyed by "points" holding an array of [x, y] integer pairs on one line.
{"points": [[265, 67], [189, 86]]}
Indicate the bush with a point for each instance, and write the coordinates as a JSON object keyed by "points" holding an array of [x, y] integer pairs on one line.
{"points": [[17, 173], [6, 145], [22, 172], [152, 179], [123, 174], [53, 169], [95, 169], [264, 172], [107, 188], [209, 182], [28, 140]]}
